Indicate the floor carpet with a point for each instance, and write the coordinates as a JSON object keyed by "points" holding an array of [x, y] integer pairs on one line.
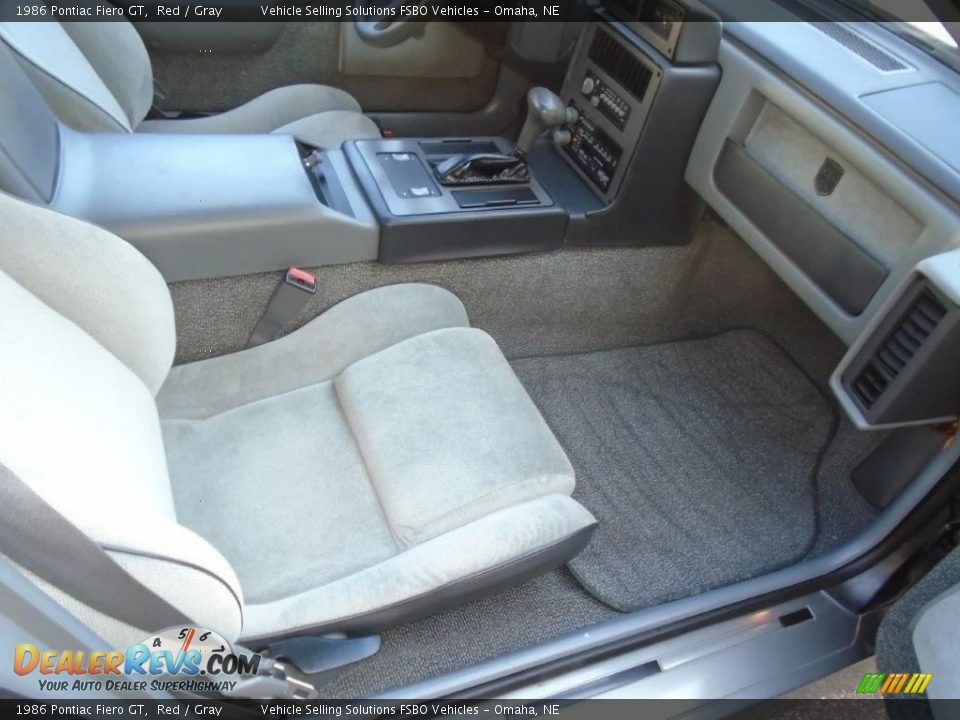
{"points": [[698, 459], [546, 607]]}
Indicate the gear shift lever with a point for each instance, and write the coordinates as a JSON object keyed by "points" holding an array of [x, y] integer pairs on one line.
{"points": [[544, 111]]}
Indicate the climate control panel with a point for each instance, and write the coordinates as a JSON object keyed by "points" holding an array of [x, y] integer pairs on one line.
{"points": [[605, 99], [612, 83], [593, 151]]}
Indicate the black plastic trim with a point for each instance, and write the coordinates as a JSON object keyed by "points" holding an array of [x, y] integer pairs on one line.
{"points": [[456, 235], [905, 371], [654, 205]]}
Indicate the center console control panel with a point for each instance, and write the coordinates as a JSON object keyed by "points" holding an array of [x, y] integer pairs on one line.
{"points": [[605, 98], [612, 84]]}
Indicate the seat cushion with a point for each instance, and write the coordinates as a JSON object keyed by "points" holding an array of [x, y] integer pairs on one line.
{"points": [[447, 432], [389, 450], [288, 468], [321, 115], [267, 454], [96, 77]]}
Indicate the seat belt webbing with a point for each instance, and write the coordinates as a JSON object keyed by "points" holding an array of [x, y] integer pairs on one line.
{"points": [[36, 536]]}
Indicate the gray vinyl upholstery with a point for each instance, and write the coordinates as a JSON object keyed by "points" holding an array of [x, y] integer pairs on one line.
{"points": [[97, 77], [343, 476]]}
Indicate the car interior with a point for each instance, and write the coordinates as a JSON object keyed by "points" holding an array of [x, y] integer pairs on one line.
{"points": [[457, 357]]}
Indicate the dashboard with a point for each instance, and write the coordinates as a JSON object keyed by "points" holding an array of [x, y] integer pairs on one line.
{"points": [[844, 223], [620, 63], [611, 84], [790, 157], [658, 21]]}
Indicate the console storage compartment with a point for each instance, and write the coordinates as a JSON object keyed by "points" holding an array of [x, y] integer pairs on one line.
{"points": [[202, 206], [421, 219]]}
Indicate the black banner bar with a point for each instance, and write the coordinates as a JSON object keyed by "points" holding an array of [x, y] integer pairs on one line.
{"points": [[867, 708], [384, 11]]}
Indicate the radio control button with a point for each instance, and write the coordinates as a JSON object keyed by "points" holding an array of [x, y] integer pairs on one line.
{"points": [[589, 85]]}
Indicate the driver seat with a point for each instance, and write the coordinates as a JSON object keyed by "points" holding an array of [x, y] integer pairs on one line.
{"points": [[97, 77]]}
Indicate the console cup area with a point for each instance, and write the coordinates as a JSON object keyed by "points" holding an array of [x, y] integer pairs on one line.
{"points": [[423, 218]]}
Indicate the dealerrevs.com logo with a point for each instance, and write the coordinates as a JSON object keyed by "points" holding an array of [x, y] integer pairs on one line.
{"points": [[189, 659]]}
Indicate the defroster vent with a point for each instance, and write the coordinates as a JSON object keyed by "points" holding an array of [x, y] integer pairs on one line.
{"points": [[853, 41], [904, 342], [619, 63]]}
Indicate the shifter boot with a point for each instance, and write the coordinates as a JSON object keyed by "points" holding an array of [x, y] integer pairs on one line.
{"points": [[484, 169]]}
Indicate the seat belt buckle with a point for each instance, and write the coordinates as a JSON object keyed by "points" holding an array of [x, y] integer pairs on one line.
{"points": [[288, 300], [301, 279]]}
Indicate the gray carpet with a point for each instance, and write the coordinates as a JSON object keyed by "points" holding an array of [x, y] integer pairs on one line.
{"points": [[841, 510], [571, 300], [698, 459], [576, 300], [547, 607]]}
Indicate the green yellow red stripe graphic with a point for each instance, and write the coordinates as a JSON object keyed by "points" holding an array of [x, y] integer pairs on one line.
{"points": [[894, 683]]}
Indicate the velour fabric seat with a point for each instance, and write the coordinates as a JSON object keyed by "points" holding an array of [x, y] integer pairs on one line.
{"points": [[97, 77], [376, 465]]}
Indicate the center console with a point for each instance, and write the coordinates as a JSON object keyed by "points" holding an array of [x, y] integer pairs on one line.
{"points": [[600, 163], [612, 85], [608, 169], [422, 219]]}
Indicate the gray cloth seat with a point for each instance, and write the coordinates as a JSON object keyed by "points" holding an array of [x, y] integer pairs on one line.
{"points": [[97, 77], [377, 464]]}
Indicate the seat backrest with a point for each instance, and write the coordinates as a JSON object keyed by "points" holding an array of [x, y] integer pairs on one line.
{"points": [[96, 76], [88, 337]]}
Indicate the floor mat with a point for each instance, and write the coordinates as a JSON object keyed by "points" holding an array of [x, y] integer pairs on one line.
{"points": [[539, 610], [698, 459]]}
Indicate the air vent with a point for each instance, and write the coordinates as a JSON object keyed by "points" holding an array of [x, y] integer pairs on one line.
{"points": [[892, 357], [613, 58], [873, 54]]}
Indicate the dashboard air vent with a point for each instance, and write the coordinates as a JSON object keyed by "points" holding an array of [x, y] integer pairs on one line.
{"points": [[614, 59], [919, 322]]}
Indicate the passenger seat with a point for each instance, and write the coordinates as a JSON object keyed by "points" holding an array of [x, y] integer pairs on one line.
{"points": [[97, 77], [376, 465]]}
